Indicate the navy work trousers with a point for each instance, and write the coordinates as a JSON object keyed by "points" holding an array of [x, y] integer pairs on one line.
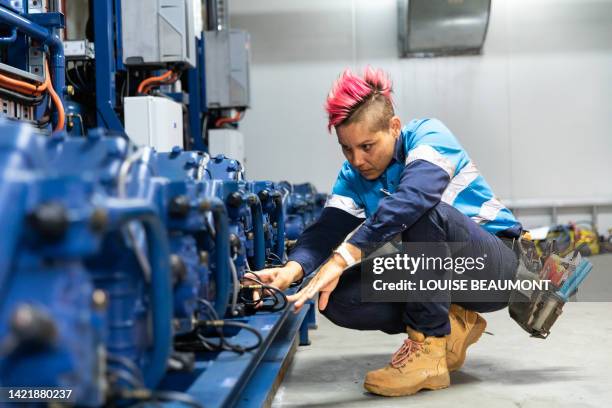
{"points": [[443, 223]]}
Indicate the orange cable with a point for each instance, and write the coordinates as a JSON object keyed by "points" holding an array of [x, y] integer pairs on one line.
{"points": [[233, 119], [151, 80], [37, 89], [22, 86], [170, 80], [56, 100]]}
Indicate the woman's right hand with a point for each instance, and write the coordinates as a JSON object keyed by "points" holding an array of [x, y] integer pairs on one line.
{"points": [[280, 277]]}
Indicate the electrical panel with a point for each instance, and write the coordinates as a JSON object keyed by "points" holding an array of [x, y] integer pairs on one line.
{"points": [[170, 27], [154, 121], [227, 55], [79, 50]]}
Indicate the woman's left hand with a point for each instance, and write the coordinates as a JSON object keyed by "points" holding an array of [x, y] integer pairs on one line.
{"points": [[324, 281]]}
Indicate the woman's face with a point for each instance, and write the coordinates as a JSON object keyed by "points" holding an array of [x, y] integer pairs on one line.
{"points": [[369, 152]]}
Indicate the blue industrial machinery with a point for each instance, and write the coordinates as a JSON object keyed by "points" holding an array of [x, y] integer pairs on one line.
{"points": [[51, 323], [72, 301], [304, 205], [122, 262]]}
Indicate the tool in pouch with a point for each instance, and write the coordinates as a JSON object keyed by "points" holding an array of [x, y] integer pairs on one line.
{"points": [[537, 310]]}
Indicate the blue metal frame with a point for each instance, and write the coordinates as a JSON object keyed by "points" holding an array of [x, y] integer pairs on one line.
{"points": [[119, 42], [47, 36], [228, 379], [10, 38], [197, 97], [106, 66], [261, 387], [7, 4]]}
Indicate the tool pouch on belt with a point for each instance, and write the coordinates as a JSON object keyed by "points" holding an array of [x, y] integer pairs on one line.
{"points": [[534, 310]]}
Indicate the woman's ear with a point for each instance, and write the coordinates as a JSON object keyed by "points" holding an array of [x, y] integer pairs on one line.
{"points": [[395, 125]]}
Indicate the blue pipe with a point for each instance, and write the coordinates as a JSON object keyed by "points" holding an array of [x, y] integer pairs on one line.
{"points": [[47, 37], [280, 226], [121, 213], [222, 253], [259, 252], [11, 38], [106, 65]]}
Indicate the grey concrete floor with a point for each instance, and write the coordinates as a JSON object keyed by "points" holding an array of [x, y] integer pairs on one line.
{"points": [[506, 368]]}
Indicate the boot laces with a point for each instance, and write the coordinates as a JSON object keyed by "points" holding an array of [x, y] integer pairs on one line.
{"points": [[405, 351]]}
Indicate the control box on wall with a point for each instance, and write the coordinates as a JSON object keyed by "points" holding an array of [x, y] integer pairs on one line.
{"points": [[227, 88], [170, 25]]}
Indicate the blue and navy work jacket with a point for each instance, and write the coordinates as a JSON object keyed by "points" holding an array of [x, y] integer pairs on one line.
{"points": [[428, 166]]}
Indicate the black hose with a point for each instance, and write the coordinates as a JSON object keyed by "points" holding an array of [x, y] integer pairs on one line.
{"points": [[21, 98], [210, 309], [274, 292], [82, 83], [202, 343], [239, 349], [272, 263], [72, 82]]}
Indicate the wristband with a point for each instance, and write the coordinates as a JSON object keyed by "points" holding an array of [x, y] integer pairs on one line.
{"points": [[343, 251]]}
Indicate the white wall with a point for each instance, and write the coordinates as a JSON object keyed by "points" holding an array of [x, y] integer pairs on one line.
{"points": [[534, 111]]}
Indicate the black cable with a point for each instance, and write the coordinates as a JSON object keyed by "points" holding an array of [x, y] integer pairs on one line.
{"points": [[258, 304], [209, 345], [273, 291], [270, 263], [122, 91], [21, 98], [46, 119], [210, 308], [223, 343], [204, 125], [44, 122], [69, 78], [235, 347], [202, 343], [79, 77], [196, 344]]}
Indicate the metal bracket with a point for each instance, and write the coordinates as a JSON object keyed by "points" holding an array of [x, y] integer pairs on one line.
{"points": [[51, 20]]}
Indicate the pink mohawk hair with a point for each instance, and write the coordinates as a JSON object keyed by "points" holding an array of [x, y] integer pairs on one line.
{"points": [[350, 91]]}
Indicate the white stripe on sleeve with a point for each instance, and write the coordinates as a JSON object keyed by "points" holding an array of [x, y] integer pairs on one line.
{"points": [[488, 211], [345, 204], [464, 178], [428, 153]]}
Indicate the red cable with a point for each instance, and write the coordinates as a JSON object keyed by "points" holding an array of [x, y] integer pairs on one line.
{"points": [[222, 121]]}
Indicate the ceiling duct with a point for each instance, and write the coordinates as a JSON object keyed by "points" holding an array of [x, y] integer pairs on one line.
{"points": [[429, 28]]}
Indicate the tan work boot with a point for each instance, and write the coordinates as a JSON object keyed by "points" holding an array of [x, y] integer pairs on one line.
{"points": [[419, 363], [466, 329]]}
